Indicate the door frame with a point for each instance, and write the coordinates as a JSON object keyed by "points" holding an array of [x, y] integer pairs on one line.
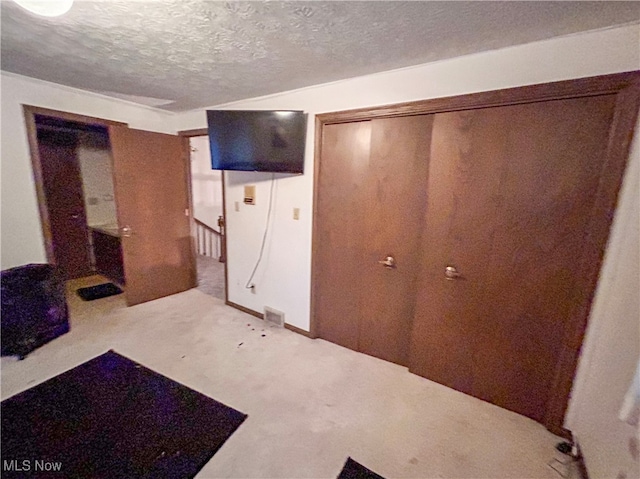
{"points": [[186, 135], [30, 113], [626, 87]]}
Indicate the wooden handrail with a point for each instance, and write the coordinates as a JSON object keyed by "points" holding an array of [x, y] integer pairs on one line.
{"points": [[207, 227]]}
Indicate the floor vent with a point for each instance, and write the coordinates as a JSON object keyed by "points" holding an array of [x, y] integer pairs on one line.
{"points": [[274, 316]]}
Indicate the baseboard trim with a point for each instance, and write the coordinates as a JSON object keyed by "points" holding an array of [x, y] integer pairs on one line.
{"points": [[562, 432], [306, 334], [245, 310], [582, 467]]}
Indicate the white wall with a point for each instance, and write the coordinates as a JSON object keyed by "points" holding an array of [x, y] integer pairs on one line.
{"points": [[206, 184], [94, 157], [611, 349], [283, 279], [21, 235]]}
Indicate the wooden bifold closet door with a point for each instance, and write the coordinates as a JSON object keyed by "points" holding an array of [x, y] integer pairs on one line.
{"points": [[511, 190], [371, 207], [495, 211]]}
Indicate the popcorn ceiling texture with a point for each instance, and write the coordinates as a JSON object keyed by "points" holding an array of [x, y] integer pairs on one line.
{"points": [[185, 54]]}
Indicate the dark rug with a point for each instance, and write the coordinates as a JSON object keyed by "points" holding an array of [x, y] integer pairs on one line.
{"points": [[355, 470], [99, 291], [112, 418]]}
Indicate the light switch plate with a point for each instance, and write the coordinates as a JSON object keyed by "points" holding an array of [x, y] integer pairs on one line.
{"points": [[296, 213]]}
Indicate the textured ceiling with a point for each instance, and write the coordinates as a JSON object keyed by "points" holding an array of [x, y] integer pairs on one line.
{"points": [[185, 54]]}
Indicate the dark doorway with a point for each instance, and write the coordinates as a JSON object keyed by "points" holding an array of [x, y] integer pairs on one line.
{"points": [[59, 142]]}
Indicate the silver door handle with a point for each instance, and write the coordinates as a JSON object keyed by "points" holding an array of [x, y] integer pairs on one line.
{"points": [[388, 262], [126, 231], [451, 273]]}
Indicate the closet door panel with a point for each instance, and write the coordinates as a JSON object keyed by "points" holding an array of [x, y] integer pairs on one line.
{"points": [[371, 199], [339, 238], [511, 192], [556, 154], [396, 191], [467, 167]]}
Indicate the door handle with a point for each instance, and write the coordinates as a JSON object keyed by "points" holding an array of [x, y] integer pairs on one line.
{"points": [[388, 262], [126, 231], [451, 273]]}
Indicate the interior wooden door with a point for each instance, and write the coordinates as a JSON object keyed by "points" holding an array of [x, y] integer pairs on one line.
{"points": [[371, 196], [62, 184], [151, 186], [511, 193]]}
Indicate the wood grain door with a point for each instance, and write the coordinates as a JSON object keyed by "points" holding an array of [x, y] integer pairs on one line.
{"points": [[511, 192], [62, 185], [339, 243], [370, 207], [151, 186]]}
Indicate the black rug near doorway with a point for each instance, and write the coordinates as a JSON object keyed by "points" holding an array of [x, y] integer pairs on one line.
{"points": [[99, 291], [112, 418], [355, 470]]}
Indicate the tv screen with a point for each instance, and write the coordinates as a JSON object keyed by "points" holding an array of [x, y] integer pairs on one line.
{"points": [[244, 140]]}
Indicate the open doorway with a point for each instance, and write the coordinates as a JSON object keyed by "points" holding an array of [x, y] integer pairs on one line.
{"points": [[151, 197], [77, 181], [207, 195]]}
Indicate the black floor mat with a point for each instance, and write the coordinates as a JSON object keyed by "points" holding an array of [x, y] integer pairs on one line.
{"points": [[355, 470], [99, 291], [112, 418]]}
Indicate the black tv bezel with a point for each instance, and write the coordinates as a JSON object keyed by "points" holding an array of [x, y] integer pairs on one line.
{"points": [[264, 167]]}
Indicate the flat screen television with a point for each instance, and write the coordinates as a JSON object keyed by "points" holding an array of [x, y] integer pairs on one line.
{"points": [[256, 140]]}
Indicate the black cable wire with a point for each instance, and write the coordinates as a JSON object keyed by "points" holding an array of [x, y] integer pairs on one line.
{"points": [[264, 236]]}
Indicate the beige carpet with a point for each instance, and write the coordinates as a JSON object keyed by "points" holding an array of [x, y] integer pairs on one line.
{"points": [[310, 403], [210, 276]]}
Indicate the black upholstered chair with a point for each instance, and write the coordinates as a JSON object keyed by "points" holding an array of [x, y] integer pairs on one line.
{"points": [[34, 308]]}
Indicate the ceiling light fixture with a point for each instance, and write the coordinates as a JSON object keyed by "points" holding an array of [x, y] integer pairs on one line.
{"points": [[46, 8]]}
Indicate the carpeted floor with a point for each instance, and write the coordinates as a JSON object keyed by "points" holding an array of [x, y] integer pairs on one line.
{"points": [[311, 404], [210, 276], [112, 417]]}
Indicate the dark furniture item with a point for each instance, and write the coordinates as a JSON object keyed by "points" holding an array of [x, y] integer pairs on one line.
{"points": [[113, 418], [107, 251], [34, 308]]}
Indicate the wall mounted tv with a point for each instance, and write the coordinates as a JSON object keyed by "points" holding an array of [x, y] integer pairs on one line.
{"points": [[250, 140]]}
